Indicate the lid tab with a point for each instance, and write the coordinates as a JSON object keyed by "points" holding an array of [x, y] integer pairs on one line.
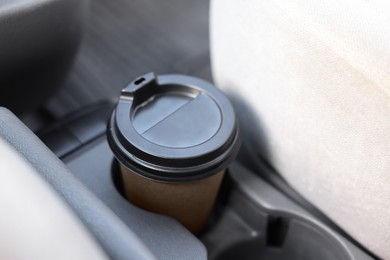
{"points": [[145, 81]]}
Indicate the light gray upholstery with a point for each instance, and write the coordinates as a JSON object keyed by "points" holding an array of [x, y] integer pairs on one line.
{"points": [[315, 77], [35, 223], [117, 240]]}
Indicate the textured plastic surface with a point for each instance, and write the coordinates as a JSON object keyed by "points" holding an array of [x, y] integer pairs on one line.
{"points": [[77, 129], [257, 222], [164, 236], [92, 164], [173, 128]]}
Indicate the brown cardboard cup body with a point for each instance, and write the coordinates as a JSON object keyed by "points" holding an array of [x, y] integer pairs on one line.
{"points": [[189, 203]]}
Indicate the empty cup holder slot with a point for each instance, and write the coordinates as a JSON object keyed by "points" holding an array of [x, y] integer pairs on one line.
{"points": [[245, 231], [285, 239]]}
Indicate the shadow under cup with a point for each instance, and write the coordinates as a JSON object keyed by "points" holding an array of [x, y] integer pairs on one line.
{"points": [[173, 136]]}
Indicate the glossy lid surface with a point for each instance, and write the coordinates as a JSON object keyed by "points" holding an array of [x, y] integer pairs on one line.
{"points": [[173, 128]]}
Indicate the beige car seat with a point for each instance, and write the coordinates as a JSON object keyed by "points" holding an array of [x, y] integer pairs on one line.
{"points": [[315, 75]]}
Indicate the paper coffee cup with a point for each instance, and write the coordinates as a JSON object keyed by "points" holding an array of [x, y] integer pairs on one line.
{"points": [[173, 136]]}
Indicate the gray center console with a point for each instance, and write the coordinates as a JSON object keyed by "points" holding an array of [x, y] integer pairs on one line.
{"points": [[251, 219]]}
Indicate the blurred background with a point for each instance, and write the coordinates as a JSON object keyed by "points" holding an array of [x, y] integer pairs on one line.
{"points": [[125, 39]]}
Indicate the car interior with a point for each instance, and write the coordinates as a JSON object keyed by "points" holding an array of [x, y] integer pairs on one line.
{"points": [[209, 129]]}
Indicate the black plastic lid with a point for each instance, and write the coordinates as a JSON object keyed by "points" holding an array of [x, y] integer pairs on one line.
{"points": [[173, 128]]}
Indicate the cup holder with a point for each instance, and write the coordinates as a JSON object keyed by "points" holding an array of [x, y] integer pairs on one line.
{"points": [[296, 241], [248, 227]]}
